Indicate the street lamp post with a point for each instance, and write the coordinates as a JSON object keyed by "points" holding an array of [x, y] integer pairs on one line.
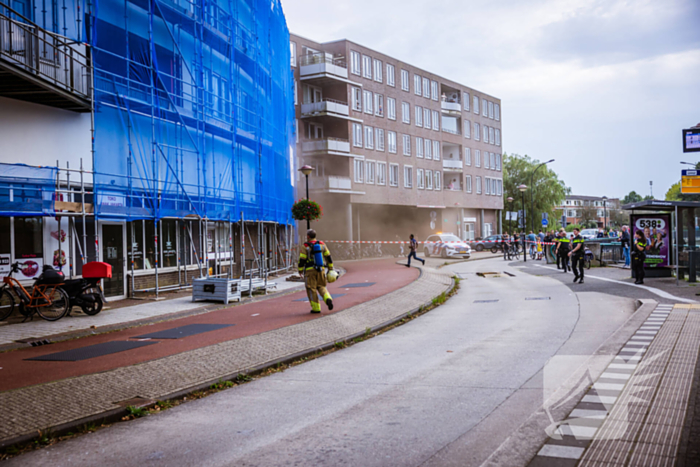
{"points": [[306, 170], [605, 213], [522, 189], [532, 192], [510, 220]]}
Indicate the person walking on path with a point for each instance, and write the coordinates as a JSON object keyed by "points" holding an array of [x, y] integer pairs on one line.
{"points": [[577, 256], [625, 244], [312, 261], [413, 246], [638, 256]]}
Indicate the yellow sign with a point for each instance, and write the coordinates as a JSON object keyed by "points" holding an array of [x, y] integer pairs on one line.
{"points": [[690, 184]]}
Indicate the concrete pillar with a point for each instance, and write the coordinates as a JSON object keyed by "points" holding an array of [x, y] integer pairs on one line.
{"points": [[483, 228], [349, 221], [499, 213], [359, 236]]}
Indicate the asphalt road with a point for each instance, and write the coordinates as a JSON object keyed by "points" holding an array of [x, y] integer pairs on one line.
{"points": [[448, 388]]}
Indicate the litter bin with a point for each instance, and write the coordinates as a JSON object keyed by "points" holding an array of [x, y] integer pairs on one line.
{"points": [[693, 263]]}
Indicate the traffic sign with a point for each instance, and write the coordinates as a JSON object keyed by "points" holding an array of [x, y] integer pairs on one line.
{"points": [[545, 222], [690, 182]]}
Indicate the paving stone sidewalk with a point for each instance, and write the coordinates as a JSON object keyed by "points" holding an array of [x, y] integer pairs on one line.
{"points": [[27, 410], [636, 412]]}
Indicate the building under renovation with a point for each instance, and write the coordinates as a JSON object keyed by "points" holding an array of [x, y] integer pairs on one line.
{"points": [[156, 136]]}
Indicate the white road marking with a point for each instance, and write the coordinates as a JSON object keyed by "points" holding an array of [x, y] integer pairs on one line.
{"points": [[585, 413], [609, 386], [555, 450], [256, 314], [599, 399], [615, 376], [622, 366]]}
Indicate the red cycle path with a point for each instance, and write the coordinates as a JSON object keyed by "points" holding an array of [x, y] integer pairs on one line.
{"points": [[16, 371]]}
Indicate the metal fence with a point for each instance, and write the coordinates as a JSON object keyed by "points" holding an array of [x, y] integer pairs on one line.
{"points": [[611, 253]]}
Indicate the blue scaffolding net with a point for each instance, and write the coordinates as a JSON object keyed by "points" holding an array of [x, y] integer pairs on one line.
{"points": [[27, 190], [193, 109]]}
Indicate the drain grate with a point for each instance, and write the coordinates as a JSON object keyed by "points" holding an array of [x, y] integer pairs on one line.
{"points": [[509, 273], [488, 274], [485, 301], [537, 298]]}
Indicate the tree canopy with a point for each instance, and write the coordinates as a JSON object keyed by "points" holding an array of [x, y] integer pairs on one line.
{"points": [[547, 190]]}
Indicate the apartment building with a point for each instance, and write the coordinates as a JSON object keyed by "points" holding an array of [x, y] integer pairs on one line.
{"points": [[395, 149], [601, 209]]}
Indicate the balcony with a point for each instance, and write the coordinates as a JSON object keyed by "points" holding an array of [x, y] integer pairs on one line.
{"points": [[452, 165], [325, 108], [321, 67], [332, 146], [331, 184], [451, 108], [42, 67]]}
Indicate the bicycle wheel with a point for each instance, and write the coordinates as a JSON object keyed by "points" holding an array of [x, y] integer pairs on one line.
{"points": [[58, 307], [587, 263], [7, 304], [516, 254]]}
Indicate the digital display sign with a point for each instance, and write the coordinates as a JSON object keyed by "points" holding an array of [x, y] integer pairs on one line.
{"points": [[691, 140]]}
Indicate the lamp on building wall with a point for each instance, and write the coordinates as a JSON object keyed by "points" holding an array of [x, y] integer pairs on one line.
{"points": [[306, 170], [522, 189], [605, 212]]}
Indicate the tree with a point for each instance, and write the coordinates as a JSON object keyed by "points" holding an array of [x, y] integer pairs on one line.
{"points": [[618, 217], [588, 216], [632, 197], [549, 191]]}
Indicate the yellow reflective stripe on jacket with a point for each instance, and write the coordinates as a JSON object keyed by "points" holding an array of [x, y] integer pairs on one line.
{"points": [[564, 240]]}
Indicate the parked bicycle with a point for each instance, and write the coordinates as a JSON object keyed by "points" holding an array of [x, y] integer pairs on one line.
{"points": [[46, 298]]}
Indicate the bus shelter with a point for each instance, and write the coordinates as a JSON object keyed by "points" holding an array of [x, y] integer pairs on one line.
{"points": [[671, 231]]}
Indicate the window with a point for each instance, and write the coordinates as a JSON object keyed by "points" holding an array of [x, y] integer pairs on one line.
{"points": [[354, 62], [475, 105], [357, 99], [369, 171], [491, 110], [486, 160], [391, 108], [492, 140], [419, 115], [469, 183], [367, 67], [498, 137], [28, 236], [428, 179], [438, 180], [467, 129], [428, 149], [477, 134], [406, 145], [379, 105], [498, 162], [420, 179], [497, 112], [357, 135], [419, 147], [484, 108], [426, 119], [394, 174], [426, 88], [296, 93], [487, 186], [499, 188], [467, 156], [478, 185], [293, 53], [493, 161], [368, 102], [359, 170], [390, 75], [436, 120], [378, 66], [406, 112], [416, 85], [434, 90], [407, 176], [369, 137], [391, 141], [404, 80], [436, 150], [477, 158], [465, 101], [379, 138], [381, 173], [486, 134]]}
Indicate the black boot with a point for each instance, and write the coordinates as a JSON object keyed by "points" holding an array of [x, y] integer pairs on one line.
{"points": [[329, 302]]}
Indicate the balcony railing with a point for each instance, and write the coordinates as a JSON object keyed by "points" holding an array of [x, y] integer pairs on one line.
{"points": [[331, 182], [322, 57], [326, 105], [333, 145], [46, 55], [450, 130], [448, 164], [451, 107], [322, 65]]}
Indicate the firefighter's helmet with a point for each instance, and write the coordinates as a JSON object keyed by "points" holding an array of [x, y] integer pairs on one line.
{"points": [[332, 276]]}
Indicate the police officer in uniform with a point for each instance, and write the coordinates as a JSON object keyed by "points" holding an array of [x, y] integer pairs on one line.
{"points": [[314, 272], [638, 256], [577, 256], [555, 239], [563, 249]]}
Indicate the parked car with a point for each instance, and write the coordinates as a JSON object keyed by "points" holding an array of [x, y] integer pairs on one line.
{"points": [[588, 234], [446, 245], [486, 243]]}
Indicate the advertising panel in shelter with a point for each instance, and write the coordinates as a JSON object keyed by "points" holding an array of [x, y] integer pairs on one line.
{"points": [[657, 232]]}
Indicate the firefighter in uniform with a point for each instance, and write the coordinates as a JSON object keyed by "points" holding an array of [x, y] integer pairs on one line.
{"points": [[577, 256], [563, 250], [311, 265]]}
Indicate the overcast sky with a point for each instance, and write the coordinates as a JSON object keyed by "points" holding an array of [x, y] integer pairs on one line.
{"points": [[602, 86]]}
